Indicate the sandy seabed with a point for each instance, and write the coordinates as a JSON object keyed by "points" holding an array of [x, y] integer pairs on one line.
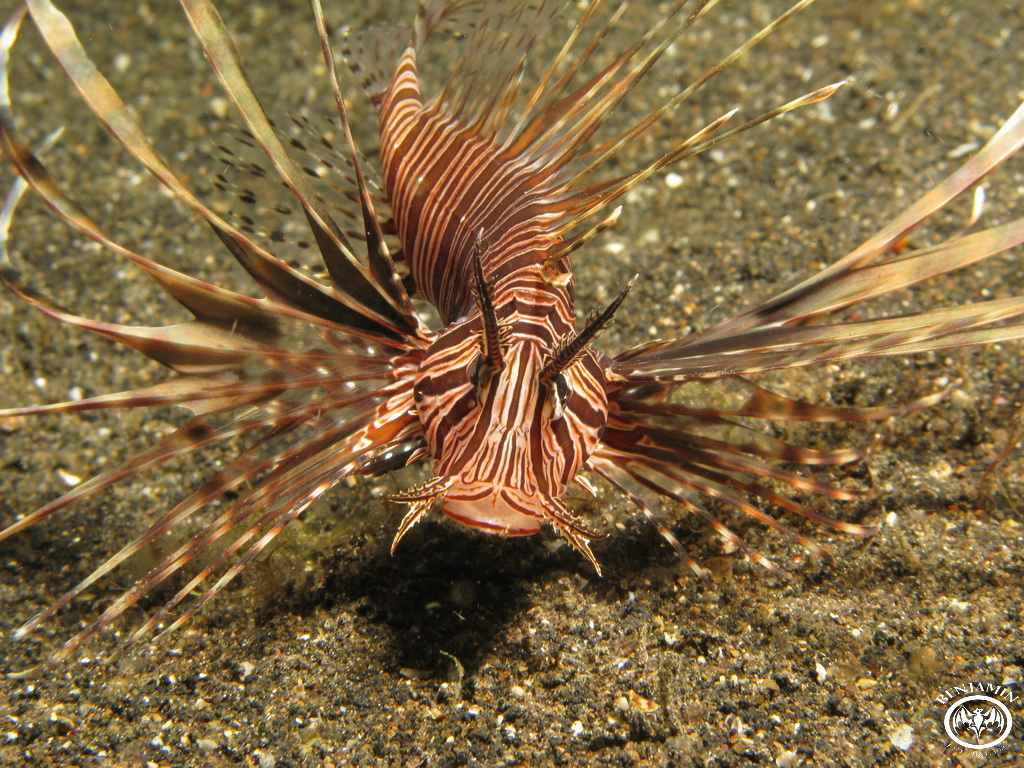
{"points": [[464, 649]]}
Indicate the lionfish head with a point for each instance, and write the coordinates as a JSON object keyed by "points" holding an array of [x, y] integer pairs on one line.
{"points": [[513, 402], [506, 439]]}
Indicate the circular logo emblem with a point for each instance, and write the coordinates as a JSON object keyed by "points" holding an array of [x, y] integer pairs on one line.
{"points": [[978, 722]]}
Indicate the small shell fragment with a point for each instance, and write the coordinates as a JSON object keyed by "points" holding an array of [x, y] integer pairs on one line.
{"points": [[68, 479], [640, 704]]}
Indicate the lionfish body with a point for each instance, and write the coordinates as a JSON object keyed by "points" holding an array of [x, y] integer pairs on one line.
{"points": [[490, 190], [507, 432]]}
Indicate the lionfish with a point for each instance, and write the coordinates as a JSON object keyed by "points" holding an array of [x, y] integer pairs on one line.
{"points": [[486, 188]]}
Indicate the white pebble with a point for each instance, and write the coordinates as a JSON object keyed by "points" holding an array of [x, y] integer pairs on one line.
{"points": [[68, 479], [902, 738], [220, 107]]}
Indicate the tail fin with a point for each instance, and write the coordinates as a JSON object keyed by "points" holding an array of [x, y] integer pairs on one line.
{"points": [[372, 53]]}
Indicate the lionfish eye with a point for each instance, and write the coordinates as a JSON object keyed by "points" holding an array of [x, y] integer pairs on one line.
{"points": [[560, 391], [481, 371], [476, 370]]}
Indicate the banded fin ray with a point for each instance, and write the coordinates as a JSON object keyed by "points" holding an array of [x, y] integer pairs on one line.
{"points": [[107, 105]]}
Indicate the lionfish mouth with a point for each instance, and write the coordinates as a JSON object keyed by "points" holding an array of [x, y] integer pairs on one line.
{"points": [[501, 511], [504, 511], [477, 503]]}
